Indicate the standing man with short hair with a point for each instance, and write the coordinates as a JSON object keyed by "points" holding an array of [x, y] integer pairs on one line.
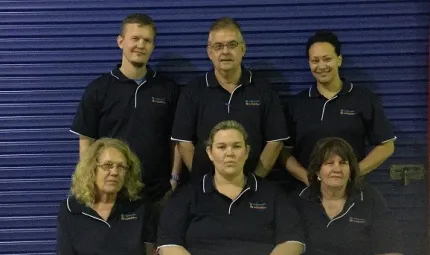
{"points": [[229, 92], [133, 103]]}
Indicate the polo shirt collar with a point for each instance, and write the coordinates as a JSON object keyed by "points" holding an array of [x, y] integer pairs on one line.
{"points": [[245, 78], [346, 88], [208, 184], [150, 73], [76, 207], [311, 195]]}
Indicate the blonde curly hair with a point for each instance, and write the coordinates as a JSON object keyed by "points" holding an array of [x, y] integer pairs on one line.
{"points": [[83, 179]]}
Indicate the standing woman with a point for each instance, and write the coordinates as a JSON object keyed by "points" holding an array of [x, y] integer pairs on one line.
{"points": [[341, 215], [334, 107], [104, 214]]}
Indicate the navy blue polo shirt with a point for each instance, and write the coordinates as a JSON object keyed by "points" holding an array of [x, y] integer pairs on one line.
{"points": [[141, 114], [354, 114], [204, 221], [204, 103], [365, 225], [80, 230]]}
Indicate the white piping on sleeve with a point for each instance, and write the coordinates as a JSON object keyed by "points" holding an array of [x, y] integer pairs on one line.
{"points": [[206, 76], [389, 140], [167, 245], [179, 140], [76, 133], [250, 76], [277, 140]]}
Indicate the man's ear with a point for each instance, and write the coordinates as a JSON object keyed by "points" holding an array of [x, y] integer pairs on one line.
{"points": [[119, 40]]}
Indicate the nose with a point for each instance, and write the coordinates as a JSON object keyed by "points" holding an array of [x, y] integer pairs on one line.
{"points": [[229, 150], [224, 49]]}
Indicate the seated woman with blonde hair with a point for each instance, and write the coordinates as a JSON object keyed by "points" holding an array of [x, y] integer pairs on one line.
{"points": [[104, 213], [341, 215], [228, 211]]}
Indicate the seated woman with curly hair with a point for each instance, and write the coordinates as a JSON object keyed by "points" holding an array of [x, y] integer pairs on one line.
{"points": [[104, 213]]}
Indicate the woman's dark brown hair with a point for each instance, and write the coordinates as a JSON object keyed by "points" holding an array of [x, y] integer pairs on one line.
{"points": [[324, 150]]}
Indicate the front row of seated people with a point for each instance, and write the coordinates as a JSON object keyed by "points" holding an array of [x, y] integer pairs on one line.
{"points": [[229, 211]]}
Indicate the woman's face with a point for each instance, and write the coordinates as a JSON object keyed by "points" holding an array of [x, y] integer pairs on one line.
{"points": [[324, 62], [335, 172], [110, 171], [228, 152]]}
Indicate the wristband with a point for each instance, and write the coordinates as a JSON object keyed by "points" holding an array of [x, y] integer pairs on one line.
{"points": [[175, 177]]}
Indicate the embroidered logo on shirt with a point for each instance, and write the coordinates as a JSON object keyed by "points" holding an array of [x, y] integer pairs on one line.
{"points": [[347, 112], [357, 220], [258, 206], [159, 100], [252, 102], [130, 216]]}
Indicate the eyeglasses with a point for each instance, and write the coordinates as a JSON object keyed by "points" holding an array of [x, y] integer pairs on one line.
{"points": [[108, 166], [220, 46]]}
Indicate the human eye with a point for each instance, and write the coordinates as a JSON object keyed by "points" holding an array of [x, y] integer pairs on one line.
{"points": [[232, 45], [328, 59], [314, 61], [221, 147], [107, 166], [149, 41], [329, 163], [123, 167], [217, 46]]}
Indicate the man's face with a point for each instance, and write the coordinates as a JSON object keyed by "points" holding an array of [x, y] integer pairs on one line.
{"points": [[226, 49], [137, 44]]}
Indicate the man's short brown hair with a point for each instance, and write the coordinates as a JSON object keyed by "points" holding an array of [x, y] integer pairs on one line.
{"points": [[140, 19]]}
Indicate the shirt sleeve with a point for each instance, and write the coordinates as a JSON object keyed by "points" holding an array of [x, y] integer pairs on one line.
{"points": [[378, 129], [184, 125], [291, 125], [174, 219], [86, 121], [274, 128], [64, 242], [287, 220], [150, 224], [385, 230]]}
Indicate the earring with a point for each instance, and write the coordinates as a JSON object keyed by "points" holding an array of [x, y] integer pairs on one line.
{"points": [[318, 177]]}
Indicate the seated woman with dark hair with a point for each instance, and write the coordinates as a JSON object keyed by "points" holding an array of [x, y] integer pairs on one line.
{"points": [[340, 214], [104, 214], [228, 211]]}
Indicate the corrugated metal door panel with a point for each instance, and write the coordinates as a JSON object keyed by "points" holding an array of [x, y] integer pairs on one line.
{"points": [[50, 50]]}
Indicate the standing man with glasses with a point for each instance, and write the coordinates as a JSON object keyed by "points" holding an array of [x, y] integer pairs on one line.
{"points": [[229, 92], [135, 104]]}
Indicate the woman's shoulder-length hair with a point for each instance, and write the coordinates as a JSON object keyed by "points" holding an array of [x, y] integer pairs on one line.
{"points": [[326, 148], [83, 186]]}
